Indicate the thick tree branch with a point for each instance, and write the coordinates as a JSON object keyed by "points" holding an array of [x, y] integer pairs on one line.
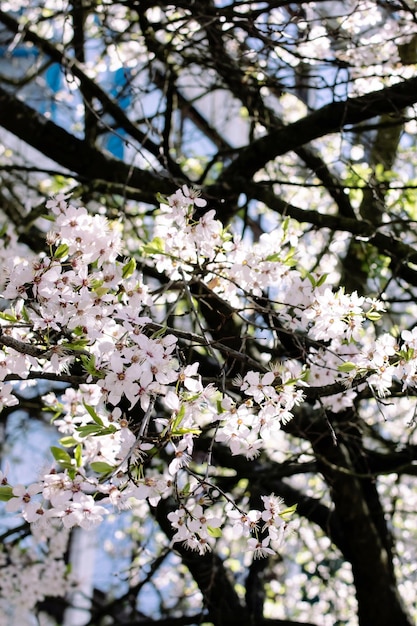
{"points": [[73, 153], [268, 479], [248, 92], [91, 89], [331, 118], [87, 84], [400, 253], [367, 541], [208, 570]]}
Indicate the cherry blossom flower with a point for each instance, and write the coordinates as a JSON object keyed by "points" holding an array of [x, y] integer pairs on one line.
{"points": [[188, 376], [244, 524], [7, 398], [178, 520], [23, 499], [259, 548], [182, 454], [153, 487], [81, 511]]}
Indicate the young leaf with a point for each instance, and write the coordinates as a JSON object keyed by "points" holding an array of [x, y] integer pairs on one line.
{"points": [[214, 532], [78, 455], [321, 280], [7, 317], [89, 429], [62, 457], [89, 364], [61, 251], [129, 268], [347, 367], [6, 493], [68, 442], [93, 414], [287, 513], [156, 246], [101, 468], [178, 419]]}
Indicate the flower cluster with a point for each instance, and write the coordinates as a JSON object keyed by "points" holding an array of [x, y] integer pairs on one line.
{"points": [[82, 307], [245, 427], [134, 410]]}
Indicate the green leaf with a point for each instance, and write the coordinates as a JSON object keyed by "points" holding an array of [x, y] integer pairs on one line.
{"points": [[89, 429], [288, 259], [276, 256], [407, 355], [101, 291], [78, 331], [180, 432], [321, 280], [374, 316], [96, 430], [7, 317], [78, 455], [93, 414], [50, 218], [24, 313], [68, 442], [72, 472], [78, 344], [156, 246], [287, 513], [62, 457], [6, 493], [310, 278], [109, 430], [89, 364], [159, 333], [56, 411], [178, 419], [214, 532], [219, 407], [129, 268], [347, 367], [101, 468], [96, 283], [61, 251], [161, 199]]}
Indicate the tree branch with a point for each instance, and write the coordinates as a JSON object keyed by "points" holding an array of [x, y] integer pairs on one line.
{"points": [[73, 153], [331, 118], [209, 572], [87, 84], [399, 252]]}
